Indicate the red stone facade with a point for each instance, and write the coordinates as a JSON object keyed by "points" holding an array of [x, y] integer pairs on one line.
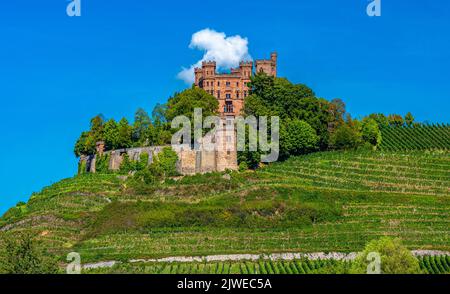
{"points": [[231, 88]]}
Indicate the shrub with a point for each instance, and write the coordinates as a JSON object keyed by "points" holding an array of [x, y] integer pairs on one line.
{"points": [[102, 164], [297, 137], [243, 166], [21, 256], [395, 258], [165, 161]]}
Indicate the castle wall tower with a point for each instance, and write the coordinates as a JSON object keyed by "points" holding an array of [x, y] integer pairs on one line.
{"points": [[268, 66]]}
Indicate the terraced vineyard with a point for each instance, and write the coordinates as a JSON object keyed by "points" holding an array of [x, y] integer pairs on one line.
{"points": [[428, 265], [426, 137], [323, 202], [245, 267], [435, 264]]}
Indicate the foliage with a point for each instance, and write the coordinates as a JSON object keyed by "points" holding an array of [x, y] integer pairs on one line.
{"points": [[185, 102], [296, 138], [125, 134], [395, 258], [409, 119], [371, 131], [395, 120], [141, 126], [435, 264], [419, 137], [347, 136], [22, 256], [166, 161], [102, 163], [111, 135], [279, 97]]}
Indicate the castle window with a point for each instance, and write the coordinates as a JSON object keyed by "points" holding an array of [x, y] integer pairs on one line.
{"points": [[218, 84], [228, 96], [237, 94], [228, 107], [218, 94], [228, 84]]}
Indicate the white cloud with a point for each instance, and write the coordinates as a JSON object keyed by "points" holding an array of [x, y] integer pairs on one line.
{"points": [[226, 51]]}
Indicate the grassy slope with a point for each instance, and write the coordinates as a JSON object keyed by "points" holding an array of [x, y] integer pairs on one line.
{"points": [[332, 201]]}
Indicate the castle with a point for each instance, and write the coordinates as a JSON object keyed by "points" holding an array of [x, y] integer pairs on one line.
{"points": [[230, 89]]}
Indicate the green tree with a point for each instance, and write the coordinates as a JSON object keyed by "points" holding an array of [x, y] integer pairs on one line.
{"points": [[395, 258], [279, 97], [141, 125], [297, 137], [87, 141], [371, 131], [185, 102], [125, 133], [409, 119], [395, 120], [21, 256], [111, 134], [380, 118], [347, 136]]}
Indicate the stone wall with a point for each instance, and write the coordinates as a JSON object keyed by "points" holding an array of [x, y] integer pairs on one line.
{"points": [[189, 161]]}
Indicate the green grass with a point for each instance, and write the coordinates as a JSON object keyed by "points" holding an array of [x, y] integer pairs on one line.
{"points": [[333, 201]]}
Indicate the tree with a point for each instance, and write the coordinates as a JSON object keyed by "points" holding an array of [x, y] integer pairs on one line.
{"points": [[297, 137], [394, 258], [409, 119], [371, 131], [279, 97], [21, 256], [347, 136], [83, 146], [380, 118], [125, 132], [395, 120], [337, 114], [87, 141], [159, 114], [185, 102], [141, 124], [111, 134]]}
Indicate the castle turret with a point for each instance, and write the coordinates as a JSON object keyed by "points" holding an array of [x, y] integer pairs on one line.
{"points": [[268, 66]]}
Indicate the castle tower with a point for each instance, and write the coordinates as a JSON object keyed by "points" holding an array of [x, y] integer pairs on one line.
{"points": [[268, 66]]}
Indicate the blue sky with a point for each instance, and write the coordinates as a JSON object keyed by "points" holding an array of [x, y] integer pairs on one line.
{"points": [[57, 72]]}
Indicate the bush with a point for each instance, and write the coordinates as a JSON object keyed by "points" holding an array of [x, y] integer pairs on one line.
{"points": [[102, 163], [243, 166], [297, 137], [346, 137], [165, 162], [371, 132], [395, 258], [21, 256]]}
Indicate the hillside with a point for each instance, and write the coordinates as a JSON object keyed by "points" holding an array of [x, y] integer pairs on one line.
{"points": [[323, 202]]}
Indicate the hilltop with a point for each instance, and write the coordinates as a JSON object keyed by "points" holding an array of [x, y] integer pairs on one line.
{"points": [[322, 202]]}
